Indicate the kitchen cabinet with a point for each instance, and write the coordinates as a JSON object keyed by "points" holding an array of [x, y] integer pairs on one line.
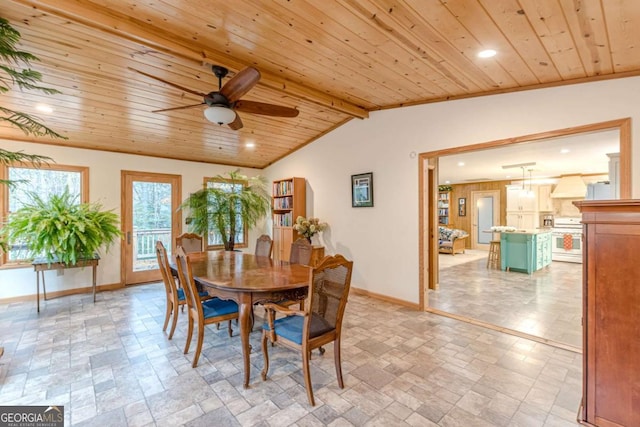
{"points": [[610, 315], [525, 251], [545, 203], [523, 220], [521, 200], [522, 208]]}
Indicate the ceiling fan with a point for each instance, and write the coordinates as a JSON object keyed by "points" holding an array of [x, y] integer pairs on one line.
{"points": [[224, 103]]}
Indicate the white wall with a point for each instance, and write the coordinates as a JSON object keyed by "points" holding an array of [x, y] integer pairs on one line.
{"points": [[104, 187], [383, 240]]}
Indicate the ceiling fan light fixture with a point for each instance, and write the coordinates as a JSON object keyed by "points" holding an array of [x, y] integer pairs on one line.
{"points": [[219, 115]]}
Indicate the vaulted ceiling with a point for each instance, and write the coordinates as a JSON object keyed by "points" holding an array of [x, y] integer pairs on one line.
{"points": [[332, 60]]}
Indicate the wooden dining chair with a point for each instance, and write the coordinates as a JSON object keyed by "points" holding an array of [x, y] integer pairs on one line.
{"points": [[204, 313], [175, 295], [301, 252], [318, 324], [190, 242], [264, 245]]}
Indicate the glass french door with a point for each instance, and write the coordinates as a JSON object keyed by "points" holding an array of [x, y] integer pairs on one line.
{"points": [[149, 213], [485, 212]]}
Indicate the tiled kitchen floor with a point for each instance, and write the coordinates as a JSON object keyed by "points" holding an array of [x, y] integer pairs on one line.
{"points": [[547, 303], [110, 364]]}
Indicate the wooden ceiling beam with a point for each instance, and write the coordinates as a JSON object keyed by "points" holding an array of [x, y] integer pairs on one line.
{"points": [[121, 25]]}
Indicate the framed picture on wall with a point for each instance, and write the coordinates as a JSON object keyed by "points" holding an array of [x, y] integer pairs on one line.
{"points": [[362, 190], [462, 206]]}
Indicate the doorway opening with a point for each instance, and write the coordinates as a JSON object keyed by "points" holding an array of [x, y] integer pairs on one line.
{"points": [[430, 275]]}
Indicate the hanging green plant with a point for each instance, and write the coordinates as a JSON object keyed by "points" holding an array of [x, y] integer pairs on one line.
{"points": [[25, 79], [61, 229]]}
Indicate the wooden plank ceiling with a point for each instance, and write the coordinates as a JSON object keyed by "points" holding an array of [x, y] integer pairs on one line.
{"points": [[333, 61]]}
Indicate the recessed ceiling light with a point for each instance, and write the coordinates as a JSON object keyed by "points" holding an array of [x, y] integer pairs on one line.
{"points": [[565, 150], [447, 182], [250, 144], [460, 163], [44, 108], [487, 53]]}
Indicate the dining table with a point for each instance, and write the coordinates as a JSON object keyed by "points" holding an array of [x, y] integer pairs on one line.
{"points": [[248, 279]]}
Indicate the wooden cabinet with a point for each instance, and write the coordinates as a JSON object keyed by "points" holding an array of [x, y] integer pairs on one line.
{"points": [[282, 239], [522, 200], [545, 202], [317, 254], [522, 208], [444, 204], [288, 203], [611, 314], [523, 220], [525, 252]]}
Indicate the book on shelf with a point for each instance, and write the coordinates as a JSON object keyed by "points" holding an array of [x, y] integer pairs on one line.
{"points": [[282, 188], [283, 203], [283, 220]]}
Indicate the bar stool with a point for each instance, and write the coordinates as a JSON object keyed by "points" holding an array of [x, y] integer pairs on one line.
{"points": [[493, 260]]}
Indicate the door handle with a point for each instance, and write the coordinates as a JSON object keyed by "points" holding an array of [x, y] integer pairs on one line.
{"points": [[128, 237]]}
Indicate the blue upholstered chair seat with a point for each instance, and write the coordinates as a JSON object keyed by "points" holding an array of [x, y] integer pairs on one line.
{"points": [[181, 294], [217, 307], [290, 327]]}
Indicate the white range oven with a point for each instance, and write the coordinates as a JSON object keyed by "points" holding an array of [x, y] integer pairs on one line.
{"points": [[566, 237]]}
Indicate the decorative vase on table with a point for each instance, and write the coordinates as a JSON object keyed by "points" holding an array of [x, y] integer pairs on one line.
{"points": [[309, 227]]}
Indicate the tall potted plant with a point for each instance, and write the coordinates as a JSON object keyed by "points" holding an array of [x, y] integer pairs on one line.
{"points": [[61, 229], [224, 208]]}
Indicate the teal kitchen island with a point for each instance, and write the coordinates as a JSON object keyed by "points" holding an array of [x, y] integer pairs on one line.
{"points": [[525, 251]]}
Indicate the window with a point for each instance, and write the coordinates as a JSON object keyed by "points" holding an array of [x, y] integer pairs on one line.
{"points": [[46, 180], [214, 240]]}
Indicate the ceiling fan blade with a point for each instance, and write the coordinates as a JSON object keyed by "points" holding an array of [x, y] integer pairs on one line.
{"points": [[177, 86], [265, 109], [178, 108], [240, 84], [236, 123]]}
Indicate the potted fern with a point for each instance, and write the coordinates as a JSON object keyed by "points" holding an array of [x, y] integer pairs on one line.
{"points": [[221, 207], [61, 229]]}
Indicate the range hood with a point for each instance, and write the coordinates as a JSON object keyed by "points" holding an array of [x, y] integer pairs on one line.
{"points": [[570, 187]]}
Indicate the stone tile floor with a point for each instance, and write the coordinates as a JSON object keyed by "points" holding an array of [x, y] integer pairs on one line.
{"points": [[547, 303], [110, 364]]}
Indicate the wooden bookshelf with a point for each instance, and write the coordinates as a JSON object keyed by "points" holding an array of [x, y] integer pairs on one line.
{"points": [[288, 203], [444, 208]]}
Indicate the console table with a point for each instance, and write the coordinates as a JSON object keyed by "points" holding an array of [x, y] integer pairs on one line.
{"points": [[40, 265]]}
